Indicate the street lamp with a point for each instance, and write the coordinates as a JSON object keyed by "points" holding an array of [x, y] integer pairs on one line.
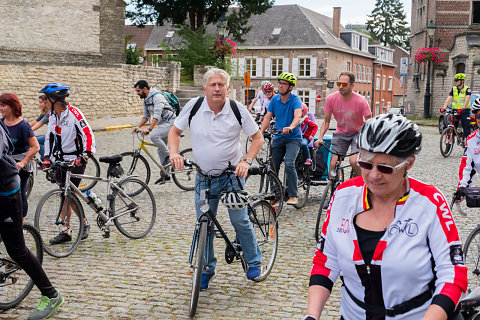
{"points": [[426, 104], [222, 30], [321, 68]]}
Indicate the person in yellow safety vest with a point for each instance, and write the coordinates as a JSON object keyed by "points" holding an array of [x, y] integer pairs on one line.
{"points": [[459, 97]]}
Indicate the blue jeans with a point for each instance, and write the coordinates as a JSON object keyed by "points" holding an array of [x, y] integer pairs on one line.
{"points": [[306, 150], [288, 149], [41, 142], [239, 219]]}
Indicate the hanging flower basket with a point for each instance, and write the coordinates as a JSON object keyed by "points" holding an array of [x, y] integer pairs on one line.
{"points": [[224, 48], [423, 55]]}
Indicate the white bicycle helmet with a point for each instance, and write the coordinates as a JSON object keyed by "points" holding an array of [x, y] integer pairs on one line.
{"points": [[475, 107], [390, 134], [235, 199], [264, 83]]}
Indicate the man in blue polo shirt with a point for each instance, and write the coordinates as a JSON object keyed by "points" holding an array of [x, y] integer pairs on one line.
{"points": [[287, 110]]}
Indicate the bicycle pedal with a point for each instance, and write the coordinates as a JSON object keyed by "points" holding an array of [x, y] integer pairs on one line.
{"points": [[106, 235], [218, 234]]}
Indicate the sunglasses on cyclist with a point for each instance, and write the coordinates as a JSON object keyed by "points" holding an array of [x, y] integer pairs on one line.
{"points": [[383, 168], [342, 84]]}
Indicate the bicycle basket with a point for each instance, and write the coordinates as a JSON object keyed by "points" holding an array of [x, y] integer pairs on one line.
{"points": [[472, 196]]}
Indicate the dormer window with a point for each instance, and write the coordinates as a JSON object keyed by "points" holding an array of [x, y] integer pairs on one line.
{"points": [[355, 41], [276, 31], [169, 34]]}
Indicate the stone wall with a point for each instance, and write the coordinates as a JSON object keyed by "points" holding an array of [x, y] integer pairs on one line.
{"points": [[99, 91], [198, 72]]}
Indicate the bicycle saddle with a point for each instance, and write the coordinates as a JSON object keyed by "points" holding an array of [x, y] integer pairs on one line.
{"points": [[112, 159], [471, 300]]}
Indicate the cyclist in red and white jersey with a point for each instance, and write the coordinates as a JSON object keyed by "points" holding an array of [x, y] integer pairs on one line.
{"points": [[392, 239], [470, 163], [260, 95]]}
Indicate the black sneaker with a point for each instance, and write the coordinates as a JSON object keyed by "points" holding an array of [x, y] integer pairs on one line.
{"points": [[85, 231], [61, 238], [162, 179]]}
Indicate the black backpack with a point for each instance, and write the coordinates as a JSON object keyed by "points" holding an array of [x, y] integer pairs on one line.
{"points": [[199, 102]]}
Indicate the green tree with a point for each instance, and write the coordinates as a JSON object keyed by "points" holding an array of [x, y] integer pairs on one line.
{"points": [[132, 54], [199, 13], [387, 23]]}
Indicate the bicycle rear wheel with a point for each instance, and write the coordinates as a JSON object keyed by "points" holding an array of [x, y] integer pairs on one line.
{"points": [[92, 169], [447, 140], [136, 165], [303, 186], [471, 254], [46, 222], [185, 180], [198, 265], [264, 221], [15, 283], [30, 182], [134, 215], [268, 187], [324, 202]]}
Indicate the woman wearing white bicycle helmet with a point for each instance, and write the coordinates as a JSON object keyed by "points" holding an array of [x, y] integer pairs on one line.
{"points": [[392, 238], [260, 95]]}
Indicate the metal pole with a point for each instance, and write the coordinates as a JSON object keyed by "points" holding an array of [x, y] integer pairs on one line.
{"points": [[404, 83], [426, 102]]}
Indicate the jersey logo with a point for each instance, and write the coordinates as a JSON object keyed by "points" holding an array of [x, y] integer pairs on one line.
{"points": [[83, 124], [407, 227], [58, 130], [344, 227], [456, 254]]}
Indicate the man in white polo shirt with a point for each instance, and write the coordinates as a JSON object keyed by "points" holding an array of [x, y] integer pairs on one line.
{"points": [[215, 126]]}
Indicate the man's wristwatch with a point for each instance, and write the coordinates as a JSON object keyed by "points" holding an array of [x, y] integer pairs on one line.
{"points": [[248, 160]]}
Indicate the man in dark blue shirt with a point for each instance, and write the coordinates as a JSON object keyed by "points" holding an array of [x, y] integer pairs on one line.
{"points": [[287, 110]]}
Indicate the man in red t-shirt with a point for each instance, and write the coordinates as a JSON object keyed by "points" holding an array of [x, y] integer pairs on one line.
{"points": [[350, 111]]}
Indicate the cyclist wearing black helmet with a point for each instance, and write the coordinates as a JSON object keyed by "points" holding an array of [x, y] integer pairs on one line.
{"points": [[459, 97], [391, 238], [73, 138], [287, 110]]}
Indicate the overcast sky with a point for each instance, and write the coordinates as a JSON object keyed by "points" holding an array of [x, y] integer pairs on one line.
{"points": [[353, 11]]}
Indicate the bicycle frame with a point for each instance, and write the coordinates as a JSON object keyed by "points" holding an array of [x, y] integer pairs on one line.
{"points": [[143, 146]]}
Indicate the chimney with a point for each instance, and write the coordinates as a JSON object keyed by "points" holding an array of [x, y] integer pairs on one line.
{"points": [[336, 21]]}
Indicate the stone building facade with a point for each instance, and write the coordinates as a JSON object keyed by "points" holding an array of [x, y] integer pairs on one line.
{"points": [[77, 43]]}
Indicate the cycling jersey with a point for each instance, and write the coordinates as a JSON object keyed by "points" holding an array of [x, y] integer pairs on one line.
{"points": [[470, 163], [420, 244], [72, 135]]}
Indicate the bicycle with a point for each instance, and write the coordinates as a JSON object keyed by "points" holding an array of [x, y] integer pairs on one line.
{"points": [[15, 283], [138, 166], [266, 184], [130, 206], [91, 169], [262, 216], [450, 134], [335, 177]]}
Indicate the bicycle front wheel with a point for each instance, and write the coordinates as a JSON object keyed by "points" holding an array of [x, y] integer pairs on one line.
{"points": [[16, 283], [471, 253], [92, 169], [134, 210], [49, 222], [324, 203], [136, 165], [303, 186], [198, 265], [268, 187], [185, 180], [447, 140]]}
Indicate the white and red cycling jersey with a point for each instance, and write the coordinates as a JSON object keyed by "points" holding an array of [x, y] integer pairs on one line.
{"points": [[470, 163], [71, 135], [420, 245]]}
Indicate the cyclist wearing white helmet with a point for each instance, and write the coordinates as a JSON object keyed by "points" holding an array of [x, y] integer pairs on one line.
{"points": [[459, 97], [260, 95], [391, 238]]}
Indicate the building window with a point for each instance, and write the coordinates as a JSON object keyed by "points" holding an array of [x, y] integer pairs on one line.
{"points": [[251, 66], [304, 67], [416, 80], [364, 69], [156, 59], [359, 71], [390, 83], [277, 66], [421, 14], [384, 84], [355, 71], [364, 44], [369, 74], [304, 96], [475, 11], [249, 95], [348, 66], [377, 85]]}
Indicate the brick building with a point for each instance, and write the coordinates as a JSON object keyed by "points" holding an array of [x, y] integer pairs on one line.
{"points": [[456, 34], [384, 73]]}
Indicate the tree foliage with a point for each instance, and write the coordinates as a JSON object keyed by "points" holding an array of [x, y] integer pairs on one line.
{"points": [[197, 13], [387, 23], [132, 54]]}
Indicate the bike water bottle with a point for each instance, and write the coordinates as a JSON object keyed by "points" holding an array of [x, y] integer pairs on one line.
{"points": [[94, 199]]}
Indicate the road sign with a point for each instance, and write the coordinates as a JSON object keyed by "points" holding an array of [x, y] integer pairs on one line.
{"points": [[319, 98], [403, 66]]}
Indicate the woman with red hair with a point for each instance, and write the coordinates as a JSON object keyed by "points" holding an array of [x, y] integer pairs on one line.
{"points": [[23, 138]]}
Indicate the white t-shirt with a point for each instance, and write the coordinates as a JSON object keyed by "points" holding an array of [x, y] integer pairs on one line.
{"points": [[216, 138]]}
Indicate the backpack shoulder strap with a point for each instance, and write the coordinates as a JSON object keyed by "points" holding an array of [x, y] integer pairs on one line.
{"points": [[235, 110], [195, 109]]}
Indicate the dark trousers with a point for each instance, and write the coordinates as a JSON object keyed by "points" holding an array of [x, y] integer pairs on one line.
{"points": [[11, 231], [23, 190]]}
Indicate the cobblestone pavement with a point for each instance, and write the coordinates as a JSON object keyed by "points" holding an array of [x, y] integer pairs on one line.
{"points": [[150, 278]]}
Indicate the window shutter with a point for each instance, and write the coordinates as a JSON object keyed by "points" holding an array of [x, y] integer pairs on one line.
{"points": [[295, 66], [313, 67], [268, 68], [313, 101], [285, 65], [235, 67], [241, 66], [259, 67]]}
